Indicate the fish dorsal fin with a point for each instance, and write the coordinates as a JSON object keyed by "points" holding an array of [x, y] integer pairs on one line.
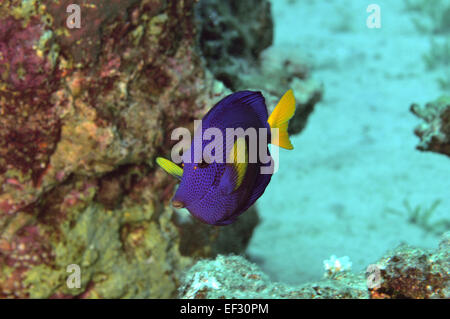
{"points": [[237, 161], [170, 167], [256, 101], [279, 120]]}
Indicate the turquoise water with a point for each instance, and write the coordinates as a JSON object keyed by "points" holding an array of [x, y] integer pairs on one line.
{"points": [[355, 177]]}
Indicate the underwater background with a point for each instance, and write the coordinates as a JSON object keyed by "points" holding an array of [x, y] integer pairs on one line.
{"points": [[352, 183], [89, 96]]}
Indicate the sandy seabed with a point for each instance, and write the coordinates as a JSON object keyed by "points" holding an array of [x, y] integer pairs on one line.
{"points": [[356, 160]]}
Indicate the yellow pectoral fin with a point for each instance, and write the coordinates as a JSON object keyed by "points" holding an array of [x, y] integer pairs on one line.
{"points": [[170, 167], [279, 120], [239, 157]]}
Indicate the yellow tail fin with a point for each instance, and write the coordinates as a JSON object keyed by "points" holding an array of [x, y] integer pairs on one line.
{"points": [[279, 119]]}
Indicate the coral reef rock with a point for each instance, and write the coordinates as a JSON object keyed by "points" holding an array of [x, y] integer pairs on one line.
{"points": [[434, 133], [239, 54], [234, 277], [232, 35], [406, 272], [83, 114], [409, 272]]}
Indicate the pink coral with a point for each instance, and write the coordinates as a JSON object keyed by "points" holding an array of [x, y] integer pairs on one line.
{"points": [[20, 66]]}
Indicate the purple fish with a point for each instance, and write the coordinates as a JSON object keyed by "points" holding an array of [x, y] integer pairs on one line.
{"points": [[218, 187]]}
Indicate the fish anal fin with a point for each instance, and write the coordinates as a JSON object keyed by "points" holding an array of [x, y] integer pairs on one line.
{"points": [[260, 186]]}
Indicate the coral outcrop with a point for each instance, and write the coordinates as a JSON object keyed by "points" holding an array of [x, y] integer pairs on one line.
{"points": [[405, 272], [235, 38], [230, 45], [409, 272], [83, 113], [235, 277], [434, 132]]}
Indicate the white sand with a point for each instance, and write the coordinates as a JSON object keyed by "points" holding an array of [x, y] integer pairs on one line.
{"points": [[357, 156]]}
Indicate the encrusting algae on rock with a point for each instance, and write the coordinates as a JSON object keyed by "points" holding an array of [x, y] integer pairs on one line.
{"points": [[405, 272], [82, 113]]}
